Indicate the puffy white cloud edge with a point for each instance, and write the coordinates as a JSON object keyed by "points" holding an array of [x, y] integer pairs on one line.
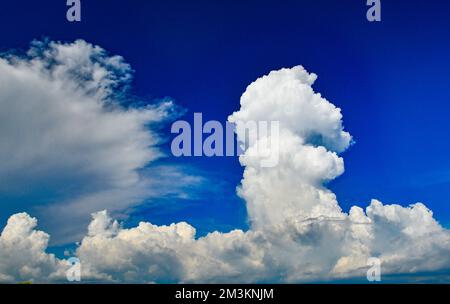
{"points": [[298, 232]]}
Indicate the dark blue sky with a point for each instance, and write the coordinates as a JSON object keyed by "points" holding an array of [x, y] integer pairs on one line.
{"points": [[390, 78]]}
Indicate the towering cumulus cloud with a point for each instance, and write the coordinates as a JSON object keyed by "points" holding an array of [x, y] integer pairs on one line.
{"points": [[298, 232], [311, 133]]}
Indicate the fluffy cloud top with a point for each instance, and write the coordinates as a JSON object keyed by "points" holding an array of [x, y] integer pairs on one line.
{"points": [[310, 132], [22, 252], [298, 231]]}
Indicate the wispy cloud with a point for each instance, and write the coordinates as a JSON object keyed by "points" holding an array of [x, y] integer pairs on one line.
{"points": [[72, 140]]}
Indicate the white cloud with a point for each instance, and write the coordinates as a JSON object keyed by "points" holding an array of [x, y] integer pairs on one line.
{"points": [[298, 231], [70, 137], [22, 252]]}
